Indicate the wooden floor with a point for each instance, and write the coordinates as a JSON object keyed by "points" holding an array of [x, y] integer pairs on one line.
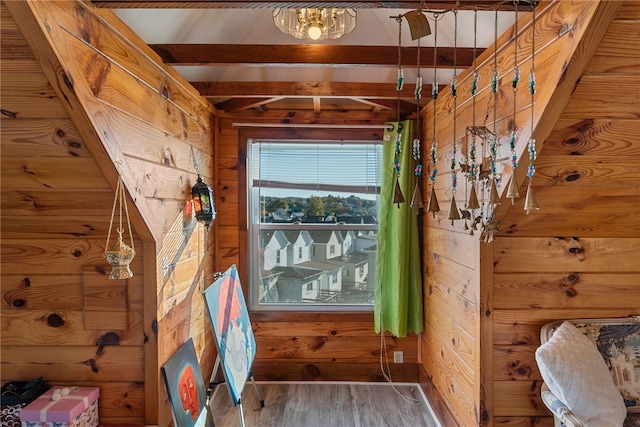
{"points": [[317, 404]]}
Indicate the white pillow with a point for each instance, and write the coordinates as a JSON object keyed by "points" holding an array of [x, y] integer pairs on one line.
{"points": [[576, 373]]}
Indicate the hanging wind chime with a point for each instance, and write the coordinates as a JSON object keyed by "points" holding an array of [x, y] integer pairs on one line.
{"points": [[433, 207], [416, 199], [513, 193], [530, 203], [119, 255], [398, 197], [471, 168], [454, 214], [490, 226]]}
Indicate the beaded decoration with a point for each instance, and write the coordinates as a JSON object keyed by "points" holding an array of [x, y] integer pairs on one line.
{"points": [[433, 205], [530, 203]]}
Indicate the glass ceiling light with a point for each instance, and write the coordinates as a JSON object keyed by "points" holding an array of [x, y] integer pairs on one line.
{"points": [[315, 24]]}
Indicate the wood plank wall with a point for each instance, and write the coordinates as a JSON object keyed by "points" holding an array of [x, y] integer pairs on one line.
{"points": [[578, 255], [298, 346], [471, 347], [95, 101], [55, 214]]}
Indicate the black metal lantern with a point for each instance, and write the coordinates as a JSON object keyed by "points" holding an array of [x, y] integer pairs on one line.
{"points": [[203, 202]]}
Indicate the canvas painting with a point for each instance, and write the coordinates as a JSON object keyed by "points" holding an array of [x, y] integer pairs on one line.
{"points": [[232, 330], [186, 390]]}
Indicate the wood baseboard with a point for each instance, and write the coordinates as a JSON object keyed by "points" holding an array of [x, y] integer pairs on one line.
{"points": [[438, 404]]}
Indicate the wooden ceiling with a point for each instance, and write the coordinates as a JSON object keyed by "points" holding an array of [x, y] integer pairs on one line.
{"points": [[326, 95]]}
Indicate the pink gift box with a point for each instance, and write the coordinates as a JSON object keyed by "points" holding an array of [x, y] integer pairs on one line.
{"points": [[77, 404]]}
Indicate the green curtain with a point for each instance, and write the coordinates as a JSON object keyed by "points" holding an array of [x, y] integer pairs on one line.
{"points": [[398, 293]]}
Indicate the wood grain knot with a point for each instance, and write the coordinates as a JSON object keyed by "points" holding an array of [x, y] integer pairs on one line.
{"points": [[55, 320]]}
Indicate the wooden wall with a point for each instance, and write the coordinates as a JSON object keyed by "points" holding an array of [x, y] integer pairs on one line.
{"points": [[578, 255], [83, 99], [485, 303], [299, 346]]}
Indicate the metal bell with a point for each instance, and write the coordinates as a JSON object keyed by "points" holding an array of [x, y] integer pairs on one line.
{"points": [[494, 198], [530, 203], [512, 193], [433, 205], [473, 199]]}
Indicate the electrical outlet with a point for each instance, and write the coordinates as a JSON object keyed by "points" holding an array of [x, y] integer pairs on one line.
{"points": [[398, 357]]}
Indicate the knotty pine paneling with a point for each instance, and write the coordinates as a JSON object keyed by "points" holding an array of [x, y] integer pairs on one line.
{"points": [[447, 385], [619, 51], [515, 363], [62, 172], [461, 341], [26, 93], [41, 138], [592, 137], [518, 398], [572, 290], [593, 99], [96, 30], [565, 254], [521, 327], [59, 327]]}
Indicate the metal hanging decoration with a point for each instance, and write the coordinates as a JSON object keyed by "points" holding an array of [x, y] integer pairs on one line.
{"points": [[530, 203], [433, 207], [119, 255], [471, 167], [416, 198], [454, 214], [512, 192], [490, 226]]}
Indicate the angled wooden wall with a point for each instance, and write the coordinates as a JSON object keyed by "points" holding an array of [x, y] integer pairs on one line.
{"points": [[485, 303], [84, 100], [577, 256]]}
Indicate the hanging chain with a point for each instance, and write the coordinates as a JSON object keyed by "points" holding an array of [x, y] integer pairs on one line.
{"points": [[195, 162], [119, 200]]}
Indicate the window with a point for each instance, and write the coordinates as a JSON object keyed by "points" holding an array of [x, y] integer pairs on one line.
{"points": [[313, 208]]}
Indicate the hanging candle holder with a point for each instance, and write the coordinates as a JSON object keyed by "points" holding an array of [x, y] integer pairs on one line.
{"points": [[119, 255]]}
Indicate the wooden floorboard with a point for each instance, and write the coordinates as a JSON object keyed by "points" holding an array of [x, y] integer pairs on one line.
{"points": [[320, 404]]}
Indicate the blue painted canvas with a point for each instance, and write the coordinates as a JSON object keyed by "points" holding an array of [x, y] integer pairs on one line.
{"points": [[232, 330]]}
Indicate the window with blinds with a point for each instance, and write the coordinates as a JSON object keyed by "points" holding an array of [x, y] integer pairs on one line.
{"points": [[313, 209]]}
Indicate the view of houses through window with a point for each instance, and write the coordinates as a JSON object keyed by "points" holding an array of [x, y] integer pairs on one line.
{"points": [[313, 223]]}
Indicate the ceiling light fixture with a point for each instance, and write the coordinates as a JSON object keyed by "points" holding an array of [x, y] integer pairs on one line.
{"points": [[315, 24]]}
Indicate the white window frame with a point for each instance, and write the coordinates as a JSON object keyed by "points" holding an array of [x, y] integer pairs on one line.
{"points": [[254, 230]]}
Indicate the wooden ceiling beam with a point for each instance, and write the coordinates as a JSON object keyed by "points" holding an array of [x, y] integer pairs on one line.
{"points": [[305, 89], [504, 5], [309, 55], [239, 104]]}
